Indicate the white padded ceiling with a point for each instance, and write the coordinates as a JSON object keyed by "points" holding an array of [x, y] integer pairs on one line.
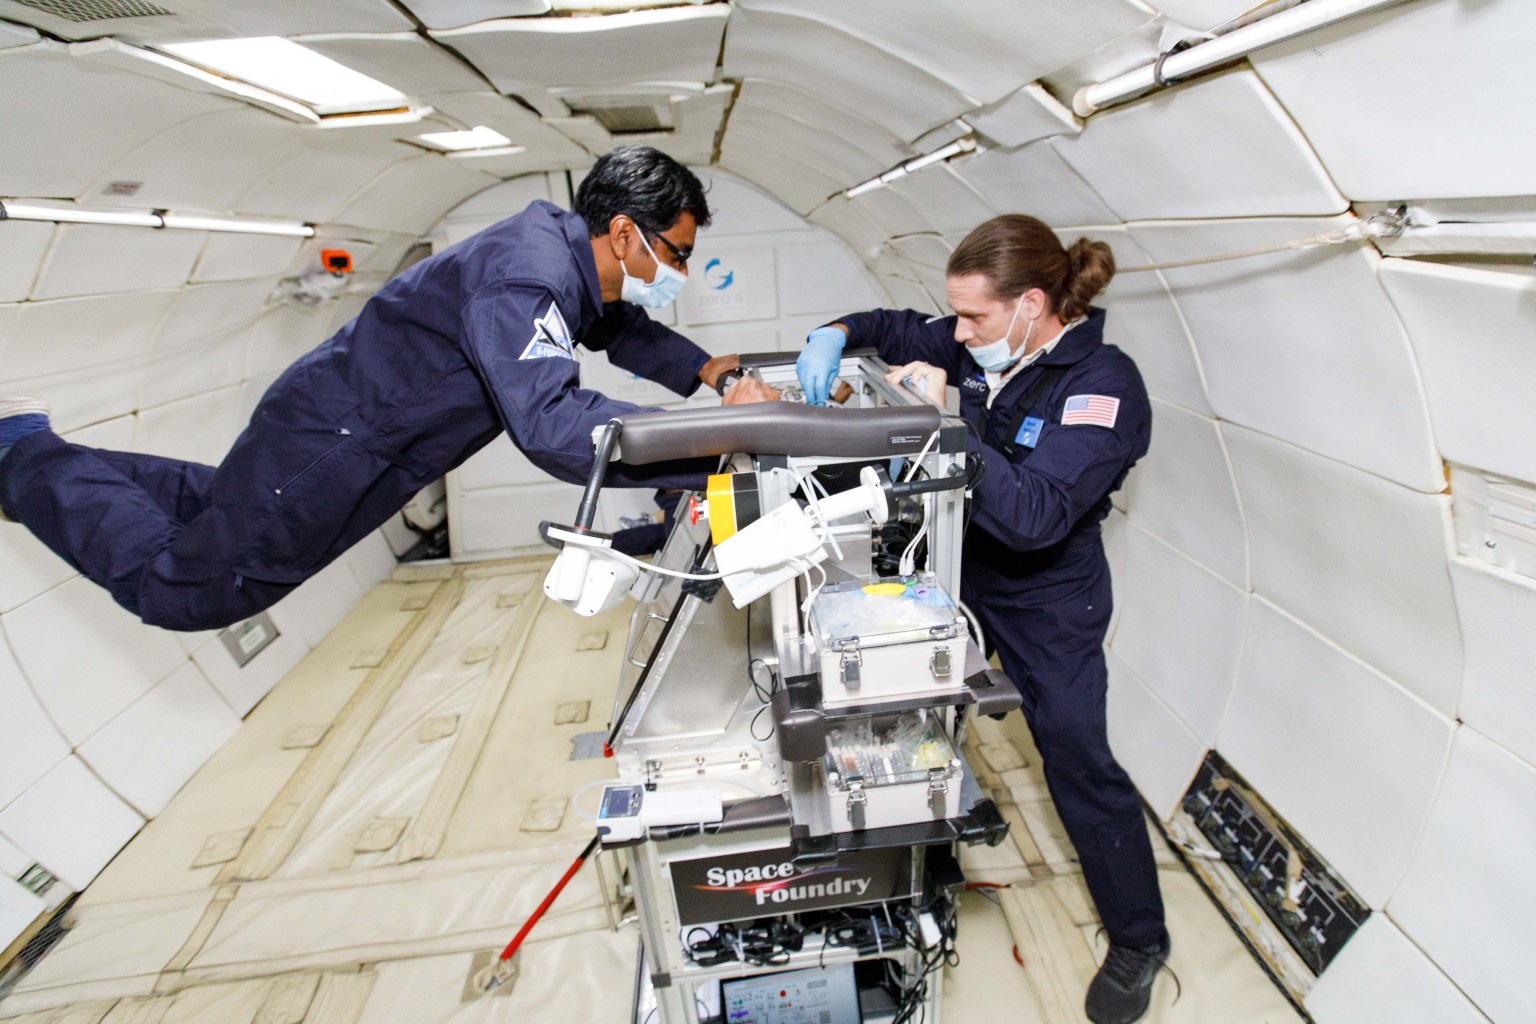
{"points": [[314, 184], [893, 213], [1460, 900], [1326, 365], [30, 568], [946, 200], [740, 209], [985, 48], [22, 245], [280, 336], [70, 822], [546, 147], [1154, 747], [232, 257], [1416, 100], [30, 744], [1381, 975], [1471, 330], [1306, 716], [1180, 631], [1037, 181], [833, 154], [96, 259], [208, 19], [850, 223], [16, 35], [404, 60], [863, 78], [520, 55], [458, 13], [412, 195], [1183, 492], [1497, 609], [110, 113], [1203, 14], [1027, 115], [76, 350], [1145, 323], [201, 344], [1219, 147], [757, 159], [1358, 559]]}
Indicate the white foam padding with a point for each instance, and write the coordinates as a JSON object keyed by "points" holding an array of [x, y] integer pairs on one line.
{"points": [[458, 13], [406, 61], [412, 195], [153, 747], [1029, 114], [1381, 976], [947, 201], [19, 907], [1471, 331], [371, 561], [1180, 631], [1220, 147], [1144, 322], [1359, 559], [30, 568], [757, 158], [1414, 100], [71, 823], [1034, 179], [197, 429], [1464, 899], [1344, 755], [1151, 743], [671, 45], [319, 604], [1202, 14], [738, 208], [1113, 530], [823, 277], [278, 337], [850, 223], [95, 259], [1497, 608], [1183, 491], [78, 354], [847, 157], [314, 184], [234, 257], [800, 102], [894, 213], [202, 165], [502, 520], [22, 247], [243, 686], [30, 744], [985, 49], [201, 345], [109, 661], [108, 113], [16, 35], [862, 78], [1304, 346]]}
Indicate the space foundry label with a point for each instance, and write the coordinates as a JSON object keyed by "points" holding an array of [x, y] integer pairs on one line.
{"points": [[767, 883]]}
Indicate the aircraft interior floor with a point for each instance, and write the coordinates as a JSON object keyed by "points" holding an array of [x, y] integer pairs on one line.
{"points": [[405, 797]]}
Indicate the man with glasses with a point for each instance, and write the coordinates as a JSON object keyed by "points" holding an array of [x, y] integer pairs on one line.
{"points": [[477, 339]]}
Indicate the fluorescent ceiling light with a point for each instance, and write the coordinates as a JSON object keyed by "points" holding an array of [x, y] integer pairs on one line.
{"points": [[293, 70], [917, 163], [470, 154], [12, 210], [479, 137]]}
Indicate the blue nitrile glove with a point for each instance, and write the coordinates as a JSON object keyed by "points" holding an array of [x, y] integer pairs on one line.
{"points": [[818, 363]]}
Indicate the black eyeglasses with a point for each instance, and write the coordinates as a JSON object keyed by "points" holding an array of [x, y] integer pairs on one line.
{"points": [[681, 255]]}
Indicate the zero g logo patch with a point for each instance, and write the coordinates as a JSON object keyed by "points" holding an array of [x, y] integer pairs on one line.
{"points": [[551, 338]]}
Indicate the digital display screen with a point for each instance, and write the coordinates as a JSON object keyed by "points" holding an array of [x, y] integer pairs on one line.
{"points": [[814, 996]]}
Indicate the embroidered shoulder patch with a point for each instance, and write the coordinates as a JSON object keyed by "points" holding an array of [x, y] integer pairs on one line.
{"points": [[551, 338], [1096, 410]]}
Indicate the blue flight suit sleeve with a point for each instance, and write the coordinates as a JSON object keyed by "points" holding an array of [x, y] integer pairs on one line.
{"points": [[1035, 502], [635, 342], [904, 335], [547, 415]]}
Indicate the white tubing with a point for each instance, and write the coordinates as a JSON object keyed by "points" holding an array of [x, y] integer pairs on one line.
{"points": [[1238, 43]]}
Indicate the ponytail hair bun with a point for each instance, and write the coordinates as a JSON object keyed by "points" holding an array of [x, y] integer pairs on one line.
{"points": [[1090, 266]]}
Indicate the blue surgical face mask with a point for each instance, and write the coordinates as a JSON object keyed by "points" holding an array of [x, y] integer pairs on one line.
{"points": [[997, 356], [660, 291]]}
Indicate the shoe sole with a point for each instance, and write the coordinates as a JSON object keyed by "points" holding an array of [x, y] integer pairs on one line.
{"points": [[22, 407]]}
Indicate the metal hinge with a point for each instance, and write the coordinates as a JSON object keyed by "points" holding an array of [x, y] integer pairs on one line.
{"points": [[857, 799], [938, 789], [850, 664]]}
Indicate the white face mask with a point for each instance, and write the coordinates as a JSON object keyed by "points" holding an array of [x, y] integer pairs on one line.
{"points": [[997, 356], [660, 291]]}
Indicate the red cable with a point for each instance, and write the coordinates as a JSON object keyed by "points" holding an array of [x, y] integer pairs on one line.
{"points": [[570, 872]]}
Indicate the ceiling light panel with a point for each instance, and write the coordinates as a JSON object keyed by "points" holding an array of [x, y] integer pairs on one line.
{"points": [[984, 48], [290, 69], [479, 137], [215, 19], [678, 44]]}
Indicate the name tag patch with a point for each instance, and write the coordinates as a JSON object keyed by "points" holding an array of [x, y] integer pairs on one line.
{"points": [[1029, 432]]}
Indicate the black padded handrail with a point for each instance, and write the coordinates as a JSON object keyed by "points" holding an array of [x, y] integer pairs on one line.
{"points": [[776, 428]]}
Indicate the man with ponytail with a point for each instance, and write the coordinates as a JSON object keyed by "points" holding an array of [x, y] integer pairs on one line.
{"points": [[1058, 419]]}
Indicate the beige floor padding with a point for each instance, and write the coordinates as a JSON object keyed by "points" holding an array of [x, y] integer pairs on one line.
{"points": [[406, 796]]}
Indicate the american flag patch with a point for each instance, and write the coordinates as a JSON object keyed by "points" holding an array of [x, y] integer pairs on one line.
{"points": [[1098, 410]]}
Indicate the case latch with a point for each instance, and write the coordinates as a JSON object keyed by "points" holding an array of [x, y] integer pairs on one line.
{"points": [[850, 663], [939, 663], [938, 789], [857, 799]]}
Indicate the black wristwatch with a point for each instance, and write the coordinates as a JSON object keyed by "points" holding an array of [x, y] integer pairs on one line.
{"points": [[725, 380]]}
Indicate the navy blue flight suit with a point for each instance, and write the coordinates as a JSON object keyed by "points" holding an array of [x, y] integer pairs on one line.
{"points": [[473, 341], [1035, 575]]}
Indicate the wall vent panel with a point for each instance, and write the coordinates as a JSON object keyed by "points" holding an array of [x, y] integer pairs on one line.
{"points": [[96, 10]]}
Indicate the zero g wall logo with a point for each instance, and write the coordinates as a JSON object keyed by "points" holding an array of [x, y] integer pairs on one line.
{"points": [[767, 882], [717, 276], [736, 285]]}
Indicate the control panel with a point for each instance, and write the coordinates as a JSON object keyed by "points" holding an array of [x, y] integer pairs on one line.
{"points": [[1312, 907]]}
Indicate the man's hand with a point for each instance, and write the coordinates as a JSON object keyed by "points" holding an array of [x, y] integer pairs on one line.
{"points": [[748, 390], [927, 381], [710, 372], [819, 362]]}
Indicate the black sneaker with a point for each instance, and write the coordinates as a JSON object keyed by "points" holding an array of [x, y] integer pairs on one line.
{"points": [[1122, 990]]}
